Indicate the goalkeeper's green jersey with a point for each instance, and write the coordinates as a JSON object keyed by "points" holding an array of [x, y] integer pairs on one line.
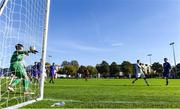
{"points": [[16, 64], [18, 56]]}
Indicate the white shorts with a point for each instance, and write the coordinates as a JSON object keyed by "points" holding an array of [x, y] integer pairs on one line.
{"points": [[142, 75]]}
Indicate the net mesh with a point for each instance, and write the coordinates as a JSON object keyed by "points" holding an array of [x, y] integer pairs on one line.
{"points": [[22, 21]]}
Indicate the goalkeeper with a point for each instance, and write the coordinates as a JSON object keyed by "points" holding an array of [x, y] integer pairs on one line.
{"points": [[17, 67]]}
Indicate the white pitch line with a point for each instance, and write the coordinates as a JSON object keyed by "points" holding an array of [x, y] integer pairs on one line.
{"points": [[112, 85], [78, 101], [62, 100], [113, 102]]}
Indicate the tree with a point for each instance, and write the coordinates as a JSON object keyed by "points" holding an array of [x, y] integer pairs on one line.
{"points": [[64, 63], [82, 70], [98, 67], [75, 63], [69, 70], [60, 71], [157, 67], [127, 68], [92, 70], [178, 69], [47, 64], [114, 69], [103, 69]]}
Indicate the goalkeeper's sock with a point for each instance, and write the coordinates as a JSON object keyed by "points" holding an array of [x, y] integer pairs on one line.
{"points": [[26, 85], [15, 82]]}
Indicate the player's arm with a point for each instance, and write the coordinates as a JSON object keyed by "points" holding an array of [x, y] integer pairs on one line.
{"points": [[20, 55], [170, 68], [31, 50], [22, 52], [163, 68], [138, 66]]}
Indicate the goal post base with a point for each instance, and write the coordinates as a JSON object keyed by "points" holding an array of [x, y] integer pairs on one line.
{"points": [[23, 104]]}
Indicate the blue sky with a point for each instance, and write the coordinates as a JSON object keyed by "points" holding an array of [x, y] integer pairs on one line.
{"points": [[113, 30]]}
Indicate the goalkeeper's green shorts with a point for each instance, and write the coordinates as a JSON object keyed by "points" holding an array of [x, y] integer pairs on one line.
{"points": [[18, 70]]}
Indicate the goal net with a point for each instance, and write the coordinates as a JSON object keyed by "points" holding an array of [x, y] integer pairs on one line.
{"points": [[23, 22]]}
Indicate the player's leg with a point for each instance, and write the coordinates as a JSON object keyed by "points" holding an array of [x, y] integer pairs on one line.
{"points": [[13, 84], [26, 83], [50, 79], [146, 82], [36, 80], [15, 80], [36, 77], [144, 77], [167, 82], [53, 79], [86, 78], [134, 80], [166, 75]]}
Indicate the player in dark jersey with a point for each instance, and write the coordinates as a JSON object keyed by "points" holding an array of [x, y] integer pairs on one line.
{"points": [[166, 70], [52, 73], [86, 74]]}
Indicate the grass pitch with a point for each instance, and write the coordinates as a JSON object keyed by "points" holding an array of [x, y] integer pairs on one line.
{"points": [[110, 93]]}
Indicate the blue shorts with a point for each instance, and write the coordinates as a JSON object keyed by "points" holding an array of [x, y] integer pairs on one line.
{"points": [[39, 73], [35, 74], [166, 75], [52, 75]]}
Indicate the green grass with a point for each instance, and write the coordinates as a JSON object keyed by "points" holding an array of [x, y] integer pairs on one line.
{"points": [[111, 93]]}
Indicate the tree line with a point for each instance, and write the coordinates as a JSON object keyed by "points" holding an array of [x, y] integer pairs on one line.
{"points": [[113, 70], [104, 69]]}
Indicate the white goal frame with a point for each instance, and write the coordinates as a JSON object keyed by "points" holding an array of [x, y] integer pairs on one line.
{"points": [[3, 5], [44, 47]]}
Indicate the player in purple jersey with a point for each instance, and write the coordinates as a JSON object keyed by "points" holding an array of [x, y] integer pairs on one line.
{"points": [[35, 73], [39, 68], [52, 73]]}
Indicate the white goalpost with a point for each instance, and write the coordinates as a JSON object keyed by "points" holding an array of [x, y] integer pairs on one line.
{"points": [[22, 22]]}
